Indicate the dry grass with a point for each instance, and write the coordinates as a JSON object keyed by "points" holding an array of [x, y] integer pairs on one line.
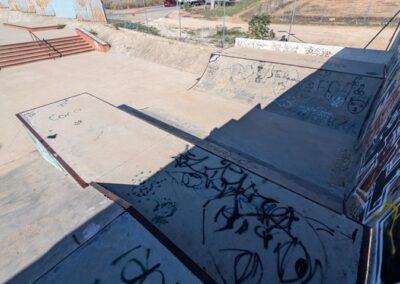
{"points": [[344, 8], [328, 11], [127, 4]]}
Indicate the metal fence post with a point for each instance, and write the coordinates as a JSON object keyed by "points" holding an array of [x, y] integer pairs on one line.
{"points": [[223, 27], [291, 20], [145, 12]]}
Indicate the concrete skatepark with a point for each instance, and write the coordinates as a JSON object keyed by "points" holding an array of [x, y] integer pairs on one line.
{"points": [[262, 163]]}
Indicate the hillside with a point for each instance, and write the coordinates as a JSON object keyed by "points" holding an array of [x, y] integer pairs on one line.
{"points": [[349, 11]]}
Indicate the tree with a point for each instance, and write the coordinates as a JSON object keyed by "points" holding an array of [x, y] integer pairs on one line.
{"points": [[259, 27]]}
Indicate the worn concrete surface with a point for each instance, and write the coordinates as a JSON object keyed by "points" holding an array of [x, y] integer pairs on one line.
{"points": [[327, 98], [74, 130], [375, 56], [9, 35], [342, 61], [45, 216], [309, 152], [122, 81], [122, 252], [161, 91], [156, 174], [310, 115]]}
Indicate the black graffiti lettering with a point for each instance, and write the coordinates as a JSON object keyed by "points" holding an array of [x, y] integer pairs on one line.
{"points": [[135, 270]]}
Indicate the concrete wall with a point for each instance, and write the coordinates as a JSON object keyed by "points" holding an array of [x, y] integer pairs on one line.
{"points": [[356, 54], [330, 99], [87, 10], [64, 8], [44, 7], [376, 197]]}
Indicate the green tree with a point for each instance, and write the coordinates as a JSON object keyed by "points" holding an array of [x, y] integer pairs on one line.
{"points": [[259, 27]]}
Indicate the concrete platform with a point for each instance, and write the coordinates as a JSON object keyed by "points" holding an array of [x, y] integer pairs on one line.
{"points": [[320, 156], [155, 89], [122, 252], [9, 35], [233, 215], [45, 216]]}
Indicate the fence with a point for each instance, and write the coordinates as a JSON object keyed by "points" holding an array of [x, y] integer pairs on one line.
{"points": [[196, 21]]}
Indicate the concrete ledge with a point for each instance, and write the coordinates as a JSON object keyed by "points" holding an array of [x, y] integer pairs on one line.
{"points": [[317, 50], [31, 29], [96, 42]]}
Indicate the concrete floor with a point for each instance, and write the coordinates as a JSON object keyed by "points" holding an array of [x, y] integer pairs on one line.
{"points": [[28, 183], [152, 170], [10, 35], [56, 205], [43, 210]]}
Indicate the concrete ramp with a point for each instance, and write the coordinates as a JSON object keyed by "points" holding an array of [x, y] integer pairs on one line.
{"points": [[123, 252], [330, 93], [235, 225], [321, 157]]}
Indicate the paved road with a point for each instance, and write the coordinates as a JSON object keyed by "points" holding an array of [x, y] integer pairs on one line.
{"points": [[153, 13]]}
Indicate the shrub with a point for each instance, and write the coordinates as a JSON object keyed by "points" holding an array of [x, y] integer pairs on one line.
{"points": [[259, 27], [230, 35], [93, 32], [147, 29], [138, 27], [126, 4]]}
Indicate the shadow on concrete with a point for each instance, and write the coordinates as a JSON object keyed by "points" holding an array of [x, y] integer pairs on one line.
{"points": [[239, 225]]}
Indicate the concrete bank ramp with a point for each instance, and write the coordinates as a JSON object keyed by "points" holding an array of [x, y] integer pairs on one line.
{"points": [[314, 155], [327, 92], [309, 110], [123, 252], [184, 56], [232, 223]]}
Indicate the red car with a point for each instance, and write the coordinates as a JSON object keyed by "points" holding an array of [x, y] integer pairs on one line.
{"points": [[169, 3]]}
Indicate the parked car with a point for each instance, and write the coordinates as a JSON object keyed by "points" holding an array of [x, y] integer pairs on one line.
{"points": [[221, 2], [169, 3], [191, 2]]}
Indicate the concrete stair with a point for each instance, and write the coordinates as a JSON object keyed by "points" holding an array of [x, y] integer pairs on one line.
{"points": [[305, 152], [28, 52]]}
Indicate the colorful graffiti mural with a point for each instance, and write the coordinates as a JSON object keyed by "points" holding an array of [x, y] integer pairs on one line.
{"points": [[3, 3], [86, 10], [89, 10], [376, 198], [43, 7]]}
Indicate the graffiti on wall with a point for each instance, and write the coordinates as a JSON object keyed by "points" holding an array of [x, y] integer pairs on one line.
{"points": [[376, 198], [330, 99], [289, 47], [238, 225], [124, 252], [43, 7], [87, 10], [387, 246]]}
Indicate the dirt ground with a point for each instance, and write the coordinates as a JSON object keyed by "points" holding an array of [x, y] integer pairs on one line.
{"points": [[351, 36], [199, 30], [343, 8]]}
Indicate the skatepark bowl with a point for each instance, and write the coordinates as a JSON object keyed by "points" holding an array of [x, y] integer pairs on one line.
{"points": [[275, 162]]}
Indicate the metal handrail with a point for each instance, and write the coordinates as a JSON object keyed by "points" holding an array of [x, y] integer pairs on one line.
{"points": [[381, 30], [56, 50], [45, 43]]}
